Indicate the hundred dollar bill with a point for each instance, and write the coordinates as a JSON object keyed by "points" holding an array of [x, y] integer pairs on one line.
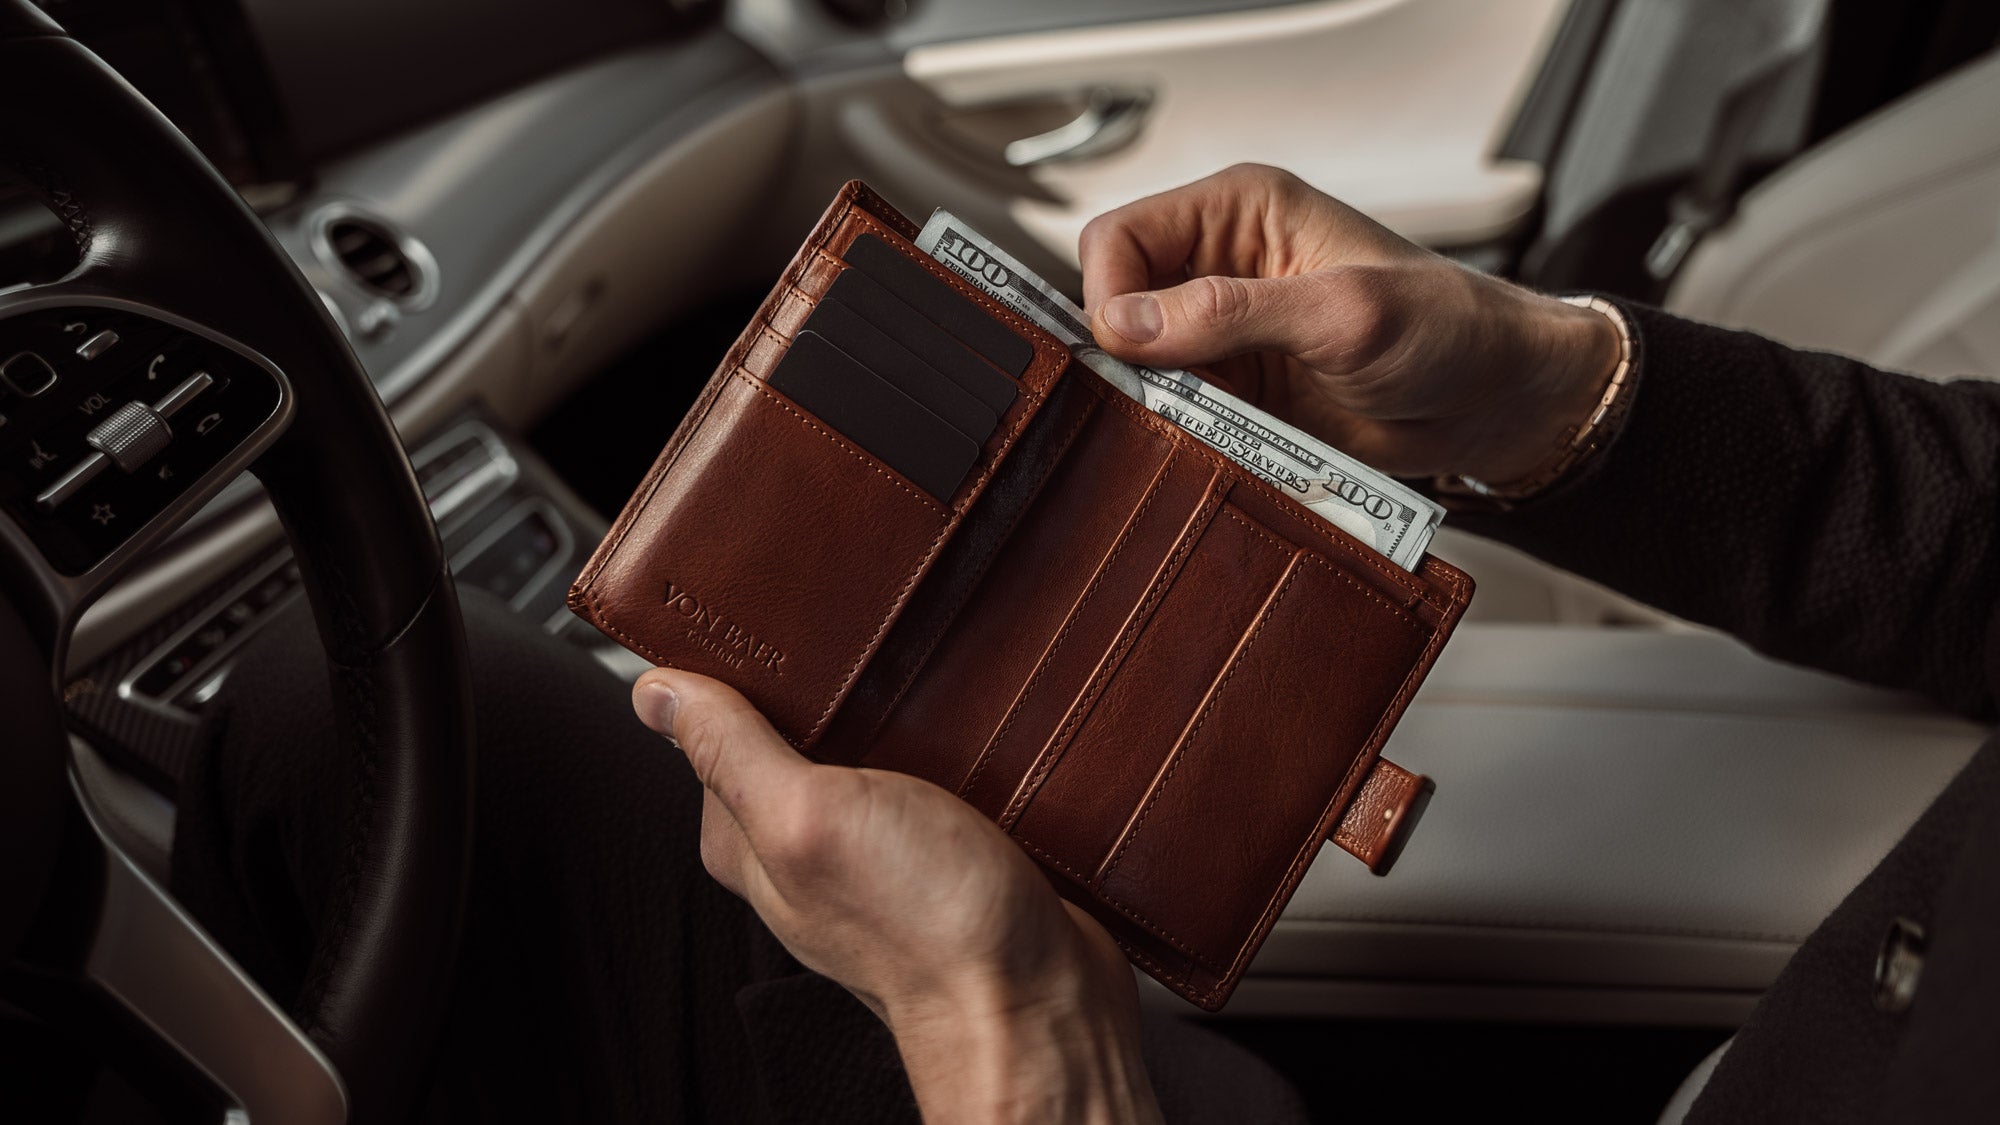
{"points": [[1372, 507]]}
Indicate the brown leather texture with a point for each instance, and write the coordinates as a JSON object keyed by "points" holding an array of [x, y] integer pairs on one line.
{"points": [[1168, 682], [1377, 817]]}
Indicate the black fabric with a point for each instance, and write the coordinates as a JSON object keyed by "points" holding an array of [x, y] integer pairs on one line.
{"points": [[1827, 513], [604, 976], [1842, 518]]}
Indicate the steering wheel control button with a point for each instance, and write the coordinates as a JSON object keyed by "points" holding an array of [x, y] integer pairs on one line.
{"points": [[141, 413], [133, 435], [27, 374], [97, 345]]}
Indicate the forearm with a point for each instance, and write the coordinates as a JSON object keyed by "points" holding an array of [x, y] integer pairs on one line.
{"points": [[1825, 512], [1073, 1058]]}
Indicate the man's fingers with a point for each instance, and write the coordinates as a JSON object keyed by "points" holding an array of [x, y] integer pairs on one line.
{"points": [[1217, 224], [1128, 249], [732, 748], [1213, 318]]}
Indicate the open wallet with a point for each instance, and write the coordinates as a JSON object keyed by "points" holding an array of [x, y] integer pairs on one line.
{"points": [[920, 536]]}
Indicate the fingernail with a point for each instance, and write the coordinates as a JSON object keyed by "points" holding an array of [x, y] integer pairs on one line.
{"points": [[656, 704], [1135, 316]]}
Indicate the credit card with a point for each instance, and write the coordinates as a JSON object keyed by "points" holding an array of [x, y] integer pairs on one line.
{"points": [[950, 309], [871, 348], [875, 415], [924, 339]]}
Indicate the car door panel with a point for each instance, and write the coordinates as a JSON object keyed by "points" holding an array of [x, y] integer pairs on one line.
{"points": [[1395, 106]]}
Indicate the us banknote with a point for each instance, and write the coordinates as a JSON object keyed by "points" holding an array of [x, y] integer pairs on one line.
{"points": [[1372, 507]]}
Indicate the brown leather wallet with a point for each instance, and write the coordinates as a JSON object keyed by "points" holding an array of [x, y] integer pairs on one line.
{"points": [[1168, 682]]}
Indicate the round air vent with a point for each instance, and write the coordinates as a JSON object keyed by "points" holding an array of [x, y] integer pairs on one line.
{"points": [[380, 260]]}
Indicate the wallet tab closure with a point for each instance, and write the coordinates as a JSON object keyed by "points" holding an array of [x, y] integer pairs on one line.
{"points": [[1379, 820]]}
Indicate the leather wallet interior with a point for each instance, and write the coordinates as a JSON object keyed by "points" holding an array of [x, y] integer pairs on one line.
{"points": [[1169, 683]]}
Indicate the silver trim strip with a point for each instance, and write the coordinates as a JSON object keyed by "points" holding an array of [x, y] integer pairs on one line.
{"points": [[155, 962]]}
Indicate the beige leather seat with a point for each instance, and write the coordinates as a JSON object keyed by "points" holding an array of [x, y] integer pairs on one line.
{"points": [[1882, 243]]}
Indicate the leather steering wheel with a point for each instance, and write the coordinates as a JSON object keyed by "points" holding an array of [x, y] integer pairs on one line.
{"points": [[119, 447]]}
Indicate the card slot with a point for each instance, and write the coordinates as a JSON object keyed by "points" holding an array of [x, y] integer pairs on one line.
{"points": [[1121, 588], [875, 415], [941, 719], [818, 282], [1050, 356], [961, 568], [1098, 766], [770, 337], [712, 580], [938, 303], [882, 354], [1311, 732]]}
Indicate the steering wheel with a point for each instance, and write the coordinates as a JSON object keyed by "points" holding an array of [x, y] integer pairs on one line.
{"points": [[184, 348]]}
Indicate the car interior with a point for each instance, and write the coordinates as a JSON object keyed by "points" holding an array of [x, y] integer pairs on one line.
{"points": [[450, 261]]}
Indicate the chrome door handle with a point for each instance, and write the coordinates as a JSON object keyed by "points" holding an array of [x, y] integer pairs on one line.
{"points": [[1109, 120]]}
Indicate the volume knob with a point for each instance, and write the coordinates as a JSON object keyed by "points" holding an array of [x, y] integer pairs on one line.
{"points": [[131, 436]]}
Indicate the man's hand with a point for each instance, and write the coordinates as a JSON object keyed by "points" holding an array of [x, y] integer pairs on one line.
{"points": [[1006, 1002], [1309, 309]]}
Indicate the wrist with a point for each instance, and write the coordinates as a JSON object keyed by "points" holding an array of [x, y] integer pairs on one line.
{"points": [[992, 1051], [1575, 352], [1563, 365]]}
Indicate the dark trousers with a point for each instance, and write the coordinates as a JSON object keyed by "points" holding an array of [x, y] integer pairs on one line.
{"points": [[604, 976]]}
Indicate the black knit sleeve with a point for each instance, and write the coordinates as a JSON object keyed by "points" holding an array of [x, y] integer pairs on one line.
{"points": [[1825, 512]]}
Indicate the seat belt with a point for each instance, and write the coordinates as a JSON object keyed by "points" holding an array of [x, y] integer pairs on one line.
{"points": [[1709, 199]]}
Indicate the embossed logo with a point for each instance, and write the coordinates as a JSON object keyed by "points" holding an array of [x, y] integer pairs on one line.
{"points": [[727, 641]]}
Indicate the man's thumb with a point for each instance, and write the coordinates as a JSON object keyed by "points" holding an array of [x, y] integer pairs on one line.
{"points": [[733, 749], [1208, 319]]}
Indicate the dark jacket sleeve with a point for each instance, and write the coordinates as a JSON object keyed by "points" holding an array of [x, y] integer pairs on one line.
{"points": [[1825, 512]]}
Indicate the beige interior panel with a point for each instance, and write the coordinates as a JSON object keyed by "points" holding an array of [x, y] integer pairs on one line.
{"points": [[1395, 106], [1626, 821]]}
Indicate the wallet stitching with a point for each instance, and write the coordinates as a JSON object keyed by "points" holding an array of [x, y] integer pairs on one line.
{"points": [[632, 642], [838, 441], [1397, 792], [1366, 556], [923, 660], [1090, 591], [1107, 670], [1316, 559], [1176, 977], [909, 582], [1187, 746], [1371, 843], [1058, 355], [1371, 752], [895, 606], [1151, 926]]}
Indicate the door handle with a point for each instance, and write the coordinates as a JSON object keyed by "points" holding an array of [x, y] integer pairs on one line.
{"points": [[1110, 119]]}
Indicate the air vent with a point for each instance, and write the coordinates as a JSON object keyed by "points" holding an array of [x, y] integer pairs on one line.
{"points": [[380, 260]]}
